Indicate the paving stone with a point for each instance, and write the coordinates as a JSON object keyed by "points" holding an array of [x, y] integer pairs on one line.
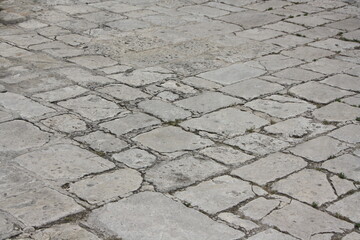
{"points": [[346, 164], [65, 123], [77, 25], [76, 9], [130, 123], [115, 69], [260, 207], [298, 216], [226, 155], [334, 44], [93, 62], [142, 77], [40, 207], [337, 112], [252, 88], [353, 100], [232, 74], [83, 77], [348, 207], [250, 19], [319, 32], [203, 10], [7, 227], [21, 135], [349, 133], [347, 24], [68, 231], [103, 142], [168, 96], [201, 83], [318, 93], [217, 194], [92, 107], [233, 122], [125, 25], [355, 35], [352, 236], [271, 234], [63, 162], [23, 106], [309, 21], [298, 128], [308, 186], [270, 168], [135, 158], [289, 41], [258, 144], [236, 221], [61, 93], [107, 186], [307, 53], [281, 107], [274, 62], [343, 81], [171, 175], [341, 186], [178, 87], [319, 149], [259, 34], [164, 110], [25, 40], [144, 208], [171, 139], [207, 102], [74, 39], [123, 92], [285, 27], [298, 74], [114, 6]]}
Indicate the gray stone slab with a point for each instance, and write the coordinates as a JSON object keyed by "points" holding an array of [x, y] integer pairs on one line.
{"points": [[83, 77], [318, 149], [226, 155], [134, 218], [164, 110], [217, 194], [307, 186], [65, 123], [7, 227], [318, 93], [270, 168], [39, 207], [298, 74], [251, 88], [274, 62], [107, 186], [233, 122], [123, 92], [352, 236], [295, 217], [171, 175], [250, 19], [258, 144], [20, 135], [341, 186], [135, 158], [307, 53], [349, 133], [103, 142], [328, 66], [130, 123], [343, 81], [271, 234], [232, 74], [207, 102], [237, 222], [348, 207], [92, 107], [63, 162], [347, 164], [61, 93], [336, 112]]}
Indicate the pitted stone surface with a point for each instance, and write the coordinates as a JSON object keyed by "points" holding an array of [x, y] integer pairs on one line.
{"points": [[217, 194], [171, 175], [110, 103]]}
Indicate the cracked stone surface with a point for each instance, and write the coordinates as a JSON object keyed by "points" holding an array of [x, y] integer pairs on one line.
{"points": [[179, 120]]}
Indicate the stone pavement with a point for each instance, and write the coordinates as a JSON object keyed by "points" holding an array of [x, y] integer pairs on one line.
{"points": [[180, 119]]}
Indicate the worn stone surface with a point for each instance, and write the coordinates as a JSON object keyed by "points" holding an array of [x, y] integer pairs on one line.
{"points": [[134, 218], [171, 139], [270, 168], [347, 207], [171, 175], [107, 186], [217, 194], [105, 100]]}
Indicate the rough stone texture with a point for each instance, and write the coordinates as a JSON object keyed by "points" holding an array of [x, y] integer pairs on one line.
{"points": [[40, 206], [258, 143], [135, 158], [217, 194], [308, 186], [107, 186], [234, 122], [298, 216], [270, 168], [171, 175], [352, 236], [347, 207], [346, 164], [63, 162], [171, 139], [319, 149], [134, 218], [259, 93]]}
